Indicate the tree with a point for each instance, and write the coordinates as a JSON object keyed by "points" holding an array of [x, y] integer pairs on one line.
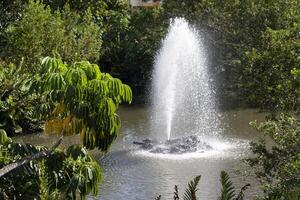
{"points": [[267, 75], [111, 16], [133, 58], [278, 167], [232, 28], [41, 32], [10, 11], [77, 99], [82, 100]]}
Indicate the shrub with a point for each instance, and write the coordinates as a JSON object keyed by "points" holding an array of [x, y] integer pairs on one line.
{"points": [[17, 103], [278, 168], [41, 32]]}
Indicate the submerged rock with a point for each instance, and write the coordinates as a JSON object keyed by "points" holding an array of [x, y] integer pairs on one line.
{"points": [[182, 145]]}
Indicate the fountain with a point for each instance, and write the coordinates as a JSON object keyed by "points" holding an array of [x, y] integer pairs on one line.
{"points": [[183, 101], [183, 98]]}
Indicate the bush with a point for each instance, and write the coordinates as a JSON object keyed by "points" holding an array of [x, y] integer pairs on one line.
{"points": [[268, 81], [131, 58], [17, 103], [41, 32], [278, 168], [60, 175]]}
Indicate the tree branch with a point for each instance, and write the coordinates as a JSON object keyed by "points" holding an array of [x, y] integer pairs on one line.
{"points": [[27, 159]]}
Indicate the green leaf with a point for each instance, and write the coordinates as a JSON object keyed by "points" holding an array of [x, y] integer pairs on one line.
{"points": [[190, 192], [227, 192]]}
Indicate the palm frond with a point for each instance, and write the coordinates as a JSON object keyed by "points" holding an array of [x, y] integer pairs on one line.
{"points": [[190, 192], [241, 195], [227, 192], [176, 194]]}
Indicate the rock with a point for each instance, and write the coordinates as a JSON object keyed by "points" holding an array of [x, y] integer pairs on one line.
{"points": [[182, 145], [145, 144]]}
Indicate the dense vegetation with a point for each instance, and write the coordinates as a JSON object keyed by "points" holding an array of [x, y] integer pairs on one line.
{"points": [[62, 174], [255, 55], [74, 99], [17, 104]]}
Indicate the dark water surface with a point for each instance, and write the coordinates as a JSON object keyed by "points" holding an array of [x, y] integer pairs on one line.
{"points": [[131, 174]]}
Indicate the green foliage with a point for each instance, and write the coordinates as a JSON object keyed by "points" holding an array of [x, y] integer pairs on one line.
{"points": [[62, 175], [254, 44], [270, 81], [131, 57], [278, 168], [41, 32], [116, 22], [106, 13], [82, 100], [26, 185], [232, 28], [82, 172], [26, 38], [190, 192], [228, 190], [3, 137], [113, 18], [97, 7], [74, 99], [255, 53], [17, 104], [82, 38], [9, 13]]}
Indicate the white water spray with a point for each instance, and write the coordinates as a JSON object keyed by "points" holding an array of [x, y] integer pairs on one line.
{"points": [[183, 99]]}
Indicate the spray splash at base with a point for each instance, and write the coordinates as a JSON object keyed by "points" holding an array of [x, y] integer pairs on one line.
{"points": [[192, 147], [181, 145]]}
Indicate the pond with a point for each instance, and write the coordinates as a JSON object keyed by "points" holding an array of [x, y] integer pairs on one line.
{"points": [[131, 174]]}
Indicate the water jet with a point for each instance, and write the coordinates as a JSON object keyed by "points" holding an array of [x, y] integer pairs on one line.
{"points": [[183, 99]]}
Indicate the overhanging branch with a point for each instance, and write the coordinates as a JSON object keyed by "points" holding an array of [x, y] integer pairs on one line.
{"points": [[27, 159]]}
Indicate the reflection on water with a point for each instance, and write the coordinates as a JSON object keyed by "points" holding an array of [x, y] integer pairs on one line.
{"points": [[130, 174]]}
